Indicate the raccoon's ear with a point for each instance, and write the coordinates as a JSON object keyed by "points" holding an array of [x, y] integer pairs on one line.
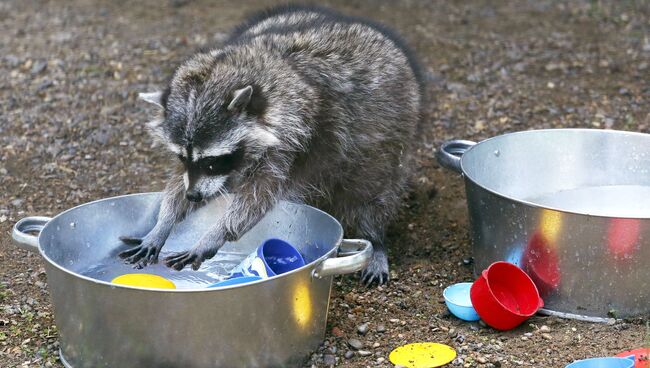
{"points": [[240, 99], [152, 98]]}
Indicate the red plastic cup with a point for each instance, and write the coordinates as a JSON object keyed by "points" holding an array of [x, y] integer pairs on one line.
{"points": [[504, 296]]}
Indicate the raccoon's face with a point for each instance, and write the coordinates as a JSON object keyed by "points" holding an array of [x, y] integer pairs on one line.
{"points": [[214, 134]]}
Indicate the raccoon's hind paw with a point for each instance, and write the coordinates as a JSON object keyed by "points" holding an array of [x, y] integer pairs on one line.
{"points": [[142, 253], [178, 261], [377, 270]]}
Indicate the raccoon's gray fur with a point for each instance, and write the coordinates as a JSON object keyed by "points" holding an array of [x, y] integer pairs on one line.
{"points": [[301, 104]]}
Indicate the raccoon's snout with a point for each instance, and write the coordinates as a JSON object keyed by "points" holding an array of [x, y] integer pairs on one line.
{"points": [[193, 196]]}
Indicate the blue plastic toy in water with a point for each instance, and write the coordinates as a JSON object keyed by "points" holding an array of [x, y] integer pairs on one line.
{"points": [[272, 258], [235, 281], [459, 303], [627, 362]]}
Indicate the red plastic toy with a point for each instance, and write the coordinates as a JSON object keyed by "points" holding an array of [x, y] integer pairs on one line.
{"points": [[641, 357], [504, 296]]}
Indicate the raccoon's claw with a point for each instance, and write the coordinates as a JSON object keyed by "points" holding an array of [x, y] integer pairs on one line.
{"points": [[377, 270], [178, 261], [141, 254]]}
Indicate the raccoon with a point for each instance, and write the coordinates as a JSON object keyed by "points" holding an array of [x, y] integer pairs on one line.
{"points": [[301, 104]]}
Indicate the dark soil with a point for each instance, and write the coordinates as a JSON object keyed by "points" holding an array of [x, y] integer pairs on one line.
{"points": [[71, 131]]}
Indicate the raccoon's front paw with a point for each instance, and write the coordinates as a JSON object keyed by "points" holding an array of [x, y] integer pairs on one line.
{"points": [[143, 252], [377, 270], [194, 256]]}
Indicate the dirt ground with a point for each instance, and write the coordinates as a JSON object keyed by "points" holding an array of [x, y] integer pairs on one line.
{"points": [[71, 131]]}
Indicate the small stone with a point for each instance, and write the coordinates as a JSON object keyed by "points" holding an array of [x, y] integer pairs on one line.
{"points": [[381, 328], [481, 360], [349, 354], [337, 332], [355, 344], [380, 360], [329, 360], [39, 66], [452, 332], [545, 329], [376, 345], [468, 261], [547, 336], [362, 329], [364, 353]]}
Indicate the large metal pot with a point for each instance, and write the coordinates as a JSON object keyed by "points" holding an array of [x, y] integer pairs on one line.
{"points": [[570, 206], [269, 323]]}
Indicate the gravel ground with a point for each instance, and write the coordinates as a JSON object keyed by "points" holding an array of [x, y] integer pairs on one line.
{"points": [[71, 131]]}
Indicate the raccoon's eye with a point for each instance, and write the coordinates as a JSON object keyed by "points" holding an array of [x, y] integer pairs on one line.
{"points": [[217, 165]]}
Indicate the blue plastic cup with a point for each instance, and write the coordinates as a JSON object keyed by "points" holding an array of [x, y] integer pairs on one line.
{"points": [[627, 362], [273, 257], [235, 281], [459, 302]]}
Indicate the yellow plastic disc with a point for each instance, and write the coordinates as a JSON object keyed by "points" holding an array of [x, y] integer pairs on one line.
{"points": [[144, 280], [422, 355]]}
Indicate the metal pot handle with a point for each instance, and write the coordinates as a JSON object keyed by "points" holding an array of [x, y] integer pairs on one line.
{"points": [[28, 224], [450, 153], [354, 255]]}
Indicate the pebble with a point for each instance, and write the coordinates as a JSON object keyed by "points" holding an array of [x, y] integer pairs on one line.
{"points": [[329, 360], [39, 66], [545, 329], [481, 360], [364, 353], [349, 354], [362, 329], [547, 336], [355, 344], [381, 328]]}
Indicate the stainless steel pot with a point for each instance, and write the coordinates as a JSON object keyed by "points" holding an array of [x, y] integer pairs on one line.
{"points": [[570, 206], [270, 323]]}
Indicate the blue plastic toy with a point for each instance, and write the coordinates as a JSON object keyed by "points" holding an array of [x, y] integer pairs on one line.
{"points": [[627, 362], [273, 257], [235, 281], [459, 303]]}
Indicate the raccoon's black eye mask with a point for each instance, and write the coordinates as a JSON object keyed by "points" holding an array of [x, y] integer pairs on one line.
{"points": [[215, 165]]}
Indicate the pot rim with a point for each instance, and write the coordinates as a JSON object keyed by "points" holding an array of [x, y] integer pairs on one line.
{"points": [[536, 205], [310, 265]]}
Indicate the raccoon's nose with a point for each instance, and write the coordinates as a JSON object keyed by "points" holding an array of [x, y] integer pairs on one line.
{"points": [[194, 196]]}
